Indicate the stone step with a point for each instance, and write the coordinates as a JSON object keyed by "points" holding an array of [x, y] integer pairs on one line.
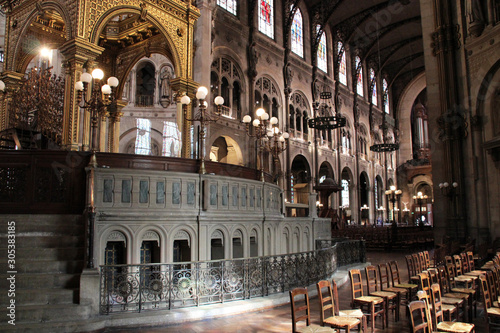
{"points": [[64, 229], [41, 253], [43, 297], [88, 325], [44, 266], [47, 240], [44, 219], [44, 281], [41, 314]]}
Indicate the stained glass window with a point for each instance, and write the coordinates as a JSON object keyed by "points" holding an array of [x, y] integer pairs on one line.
{"points": [[322, 52], [342, 64], [385, 91], [345, 193], [143, 138], [266, 17], [297, 42], [229, 5], [359, 75], [171, 139], [373, 83]]}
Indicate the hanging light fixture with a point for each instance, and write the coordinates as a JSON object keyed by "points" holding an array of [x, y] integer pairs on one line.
{"points": [[326, 119]]}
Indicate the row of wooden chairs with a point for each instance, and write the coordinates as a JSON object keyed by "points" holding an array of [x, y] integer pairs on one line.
{"points": [[330, 313], [427, 314]]}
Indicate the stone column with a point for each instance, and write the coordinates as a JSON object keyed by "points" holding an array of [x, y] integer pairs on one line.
{"points": [[76, 52], [203, 41], [132, 87]]}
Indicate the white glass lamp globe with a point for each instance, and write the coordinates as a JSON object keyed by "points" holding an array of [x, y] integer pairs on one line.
{"points": [[219, 100], [274, 120], [265, 116], [185, 100], [106, 89], [260, 112], [256, 122], [247, 119], [79, 85], [97, 74], [202, 92], [286, 135], [113, 81], [86, 77]]}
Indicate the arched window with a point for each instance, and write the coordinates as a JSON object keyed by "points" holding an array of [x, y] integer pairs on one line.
{"points": [[229, 5], [225, 80], [299, 115], [346, 141], [297, 43], [322, 51], [342, 64], [267, 96], [385, 87], [373, 84], [345, 193], [359, 76], [266, 17], [143, 138], [172, 139]]}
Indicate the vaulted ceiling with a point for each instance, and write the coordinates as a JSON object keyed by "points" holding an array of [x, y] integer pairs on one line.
{"points": [[386, 34]]}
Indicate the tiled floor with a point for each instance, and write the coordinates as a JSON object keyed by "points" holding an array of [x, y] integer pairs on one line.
{"points": [[278, 319]]}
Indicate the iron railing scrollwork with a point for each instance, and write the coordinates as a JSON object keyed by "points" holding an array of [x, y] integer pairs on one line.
{"points": [[136, 288]]}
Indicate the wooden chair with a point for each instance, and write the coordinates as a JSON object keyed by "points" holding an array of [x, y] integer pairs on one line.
{"points": [[465, 263], [354, 313], [385, 283], [371, 306], [468, 291], [492, 314], [396, 280], [448, 309], [302, 313], [459, 302], [423, 263], [328, 309], [470, 259], [466, 280], [437, 315], [392, 299], [420, 320], [427, 259], [446, 292]]}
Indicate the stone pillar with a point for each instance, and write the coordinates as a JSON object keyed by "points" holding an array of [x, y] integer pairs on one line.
{"points": [[157, 93], [77, 52], [102, 133], [132, 87], [203, 41]]}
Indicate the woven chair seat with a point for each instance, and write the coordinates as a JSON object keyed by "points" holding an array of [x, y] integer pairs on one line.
{"points": [[406, 285], [369, 299], [316, 329], [463, 290], [342, 321], [494, 311], [355, 313], [383, 294], [450, 326]]}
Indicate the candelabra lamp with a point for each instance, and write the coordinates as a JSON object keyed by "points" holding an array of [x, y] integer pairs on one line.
{"points": [[420, 200], [102, 99], [204, 116], [447, 190], [393, 195], [268, 135]]}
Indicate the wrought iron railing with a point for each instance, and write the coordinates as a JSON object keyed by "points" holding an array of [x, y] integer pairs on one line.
{"points": [[136, 288]]}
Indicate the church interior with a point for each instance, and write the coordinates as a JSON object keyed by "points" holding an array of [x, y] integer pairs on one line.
{"points": [[164, 160]]}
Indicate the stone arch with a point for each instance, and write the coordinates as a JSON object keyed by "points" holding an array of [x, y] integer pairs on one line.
{"points": [[265, 85], [21, 59], [100, 23], [182, 232], [403, 111], [229, 146], [152, 233], [117, 233]]}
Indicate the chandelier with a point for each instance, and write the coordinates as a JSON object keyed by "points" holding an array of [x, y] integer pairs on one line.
{"points": [[269, 139], [102, 99], [324, 120], [203, 116], [384, 147]]}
